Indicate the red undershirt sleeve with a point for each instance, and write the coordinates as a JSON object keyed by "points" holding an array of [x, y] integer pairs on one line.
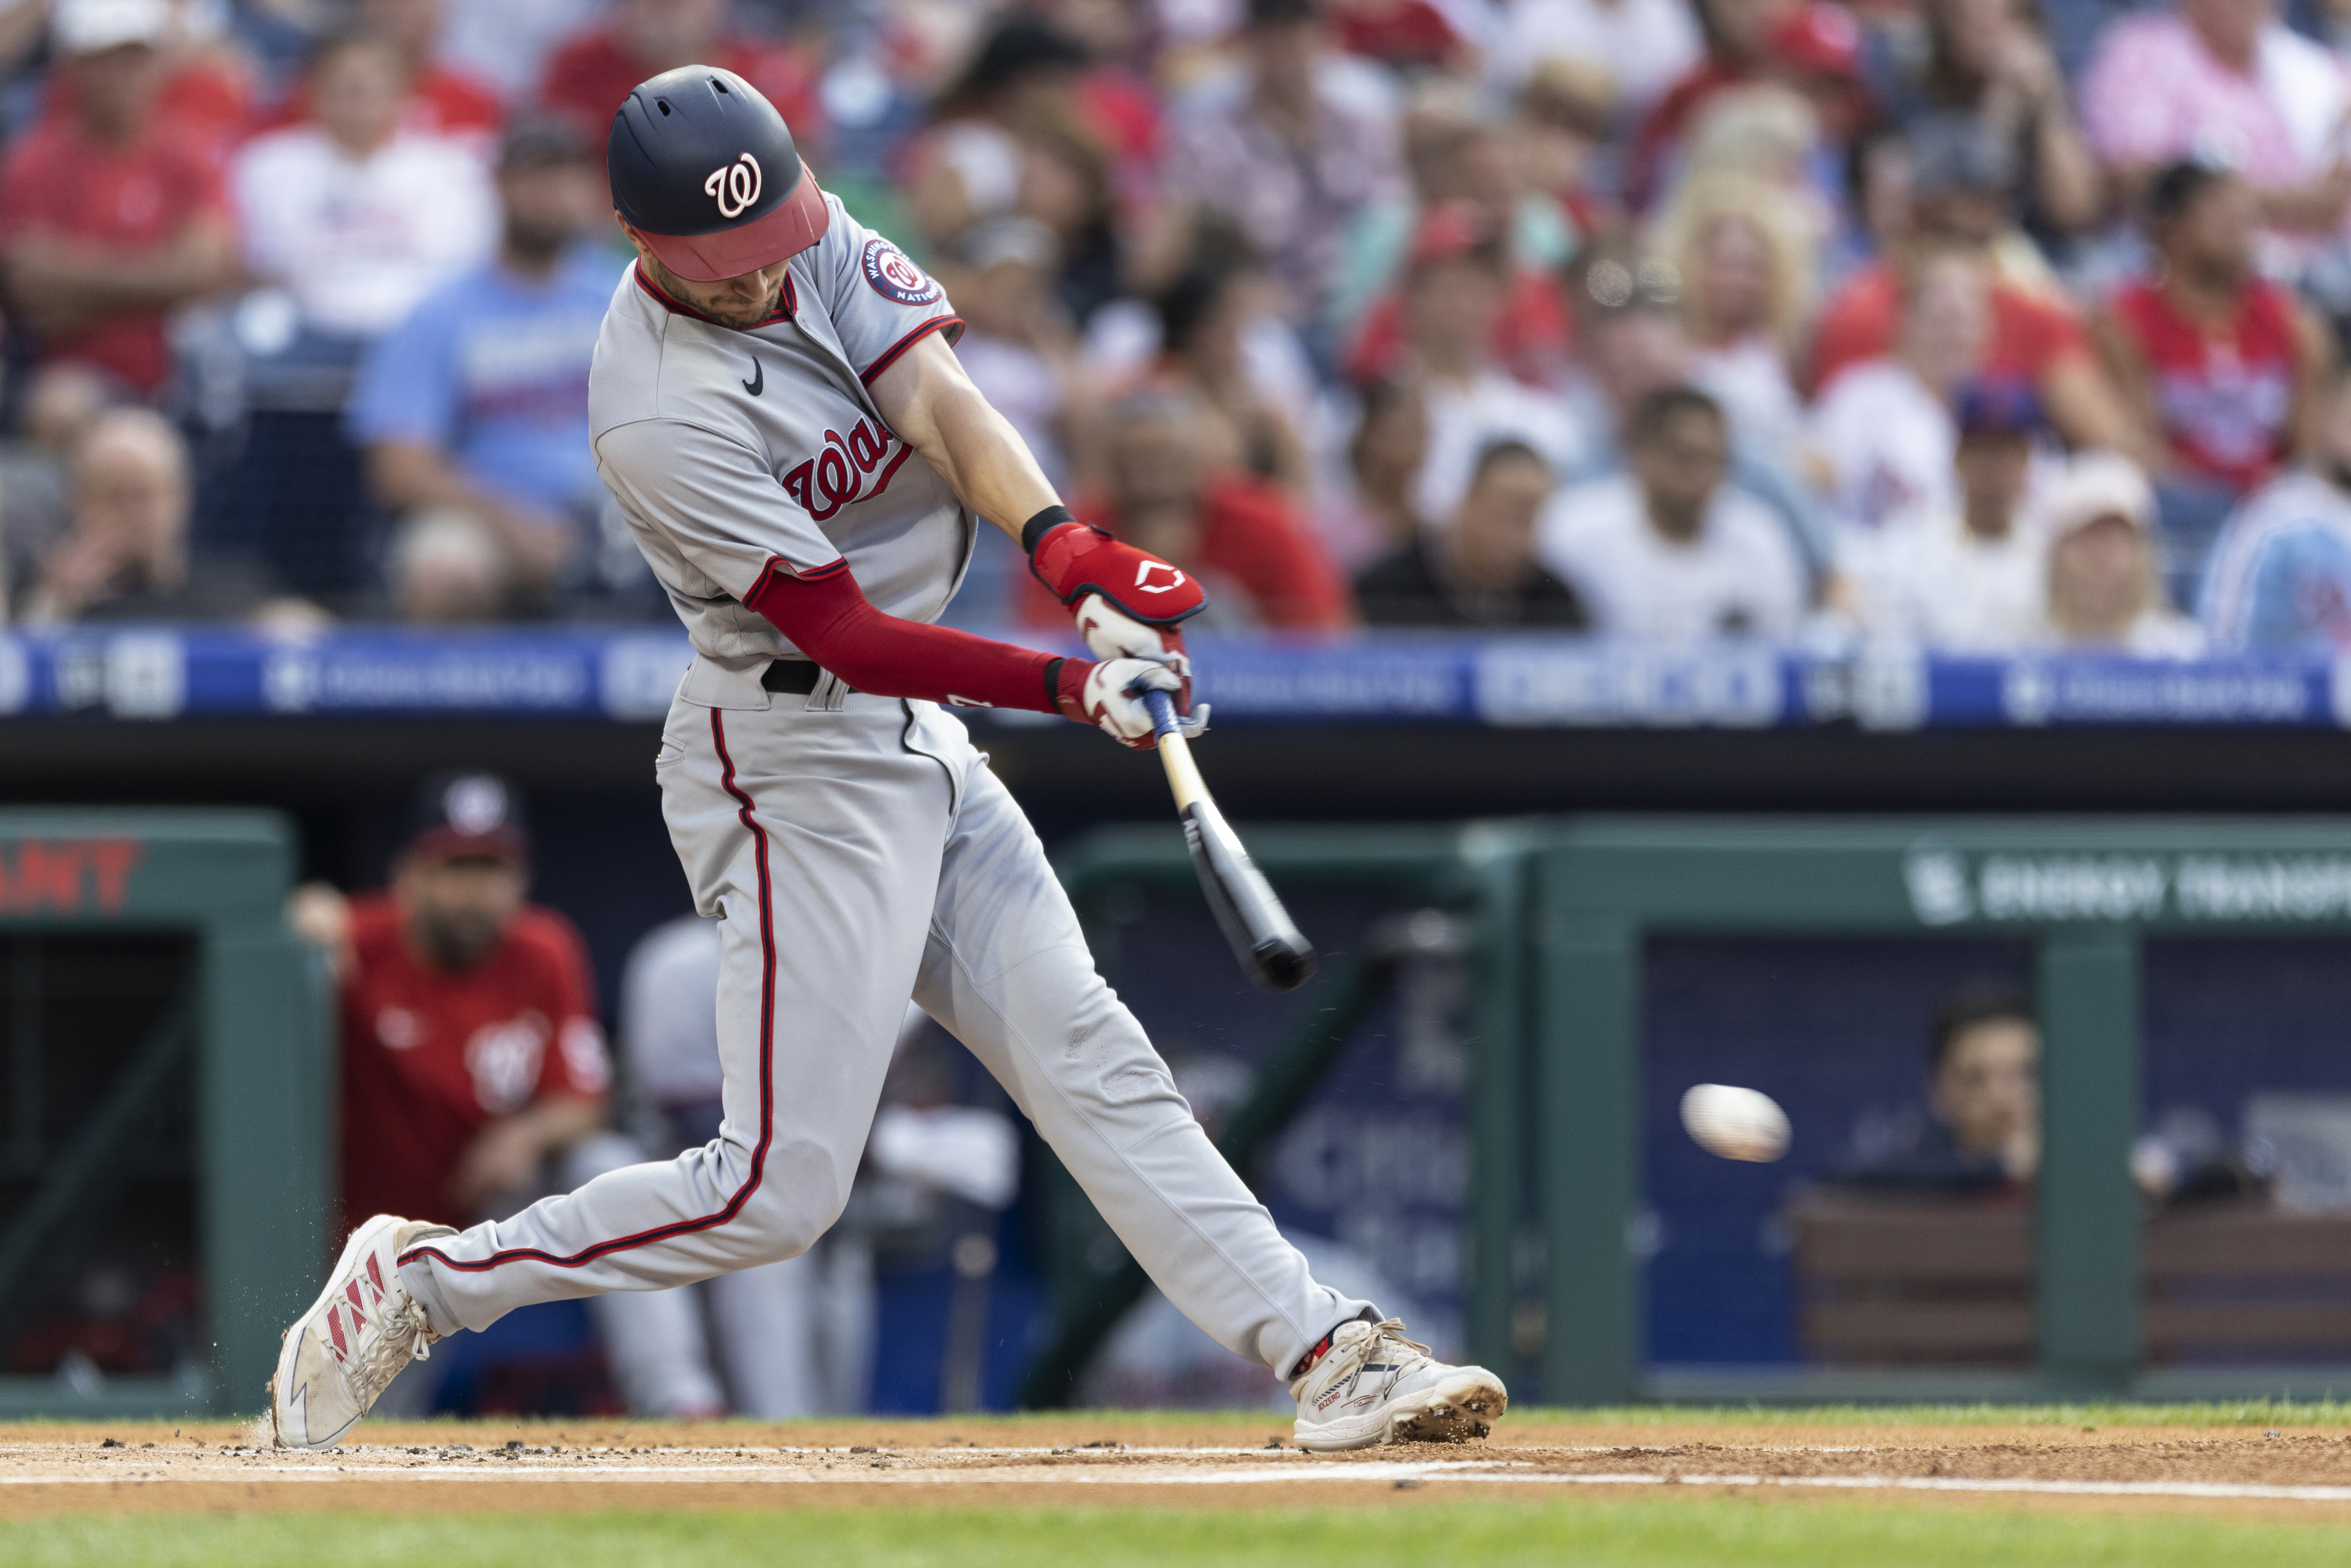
{"points": [[829, 620]]}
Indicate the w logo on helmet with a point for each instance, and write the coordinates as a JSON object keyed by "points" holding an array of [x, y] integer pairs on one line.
{"points": [[734, 187]]}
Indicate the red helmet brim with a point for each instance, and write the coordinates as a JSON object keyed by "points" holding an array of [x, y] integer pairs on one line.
{"points": [[798, 222]]}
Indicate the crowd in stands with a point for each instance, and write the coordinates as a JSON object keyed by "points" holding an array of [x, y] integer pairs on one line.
{"points": [[1971, 325]]}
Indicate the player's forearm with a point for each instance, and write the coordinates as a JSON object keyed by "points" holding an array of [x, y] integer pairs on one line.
{"points": [[62, 280], [830, 620], [934, 409], [557, 1121], [991, 468]]}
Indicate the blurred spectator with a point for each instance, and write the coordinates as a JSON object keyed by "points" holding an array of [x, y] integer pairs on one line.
{"points": [[1630, 335], [2104, 594], [107, 221], [2279, 579], [475, 406], [1019, 348], [355, 217], [1986, 60], [1376, 514], [1204, 317], [348, 221], [2224, 363], [473, 1073], [976, 162], [592, 74], [443, 100], [1459, 283], [126, 557], [2227, 79], [1242, 537], [507, 45], [1958, 180], [1561, 137], [1466, 174], [1016, 346], [37, 465], [1285, 152], [1970, 579], [205, 94], [1669, 553], [1746, 273], [1809, 46], [1814, 49], [1882, 433], [1643, 46], [1481, 572], [1982, 1134], [445, 569]]}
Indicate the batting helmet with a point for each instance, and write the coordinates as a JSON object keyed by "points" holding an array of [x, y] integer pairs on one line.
{"points": [[704, 167]]}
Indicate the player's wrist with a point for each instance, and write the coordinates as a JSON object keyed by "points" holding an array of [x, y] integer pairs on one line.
{"points": [[1065, 688], [1033, 531]]}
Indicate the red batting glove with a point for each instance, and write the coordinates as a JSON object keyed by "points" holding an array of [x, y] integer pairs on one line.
{"points": [[1076, 559]]}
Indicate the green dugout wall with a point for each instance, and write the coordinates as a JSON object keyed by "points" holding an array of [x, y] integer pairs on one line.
{"points": [[1561, 911], [255, 1019]]}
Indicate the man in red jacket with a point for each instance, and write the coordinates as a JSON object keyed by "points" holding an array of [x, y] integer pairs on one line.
{"points": [[108, 220], [471, 1051]]}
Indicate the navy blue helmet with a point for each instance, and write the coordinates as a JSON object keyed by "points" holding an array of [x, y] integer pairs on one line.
{"points": [[704, 167]]}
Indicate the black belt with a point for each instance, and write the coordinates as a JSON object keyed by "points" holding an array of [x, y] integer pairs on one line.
{"points": [[798, 677]]}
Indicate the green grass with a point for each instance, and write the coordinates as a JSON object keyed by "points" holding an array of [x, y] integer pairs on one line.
{"points": [[1693, 1534]]}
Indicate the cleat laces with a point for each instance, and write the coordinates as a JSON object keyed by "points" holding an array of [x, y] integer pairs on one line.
{"points": [[1401, 1356], [401, 1336]]}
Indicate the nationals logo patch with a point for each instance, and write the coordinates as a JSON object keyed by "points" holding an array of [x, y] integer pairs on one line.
{"points": [[894, 278]]}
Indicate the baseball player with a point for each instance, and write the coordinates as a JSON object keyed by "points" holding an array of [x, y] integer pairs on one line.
{"points": [[777, 407]]}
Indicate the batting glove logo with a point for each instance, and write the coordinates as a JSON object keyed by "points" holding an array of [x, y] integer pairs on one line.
{"points": [[1143, 583], [735, 187]]}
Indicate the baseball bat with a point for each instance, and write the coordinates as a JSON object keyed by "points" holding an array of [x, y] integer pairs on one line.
{"points": [[1247, 911]]}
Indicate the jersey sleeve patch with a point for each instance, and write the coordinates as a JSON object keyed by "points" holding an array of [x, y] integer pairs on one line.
{"points": [[893, 274]]}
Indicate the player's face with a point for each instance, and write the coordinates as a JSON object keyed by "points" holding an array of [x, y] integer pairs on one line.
{"points": [[1989, 1091], [459, 909], [741, 303]]}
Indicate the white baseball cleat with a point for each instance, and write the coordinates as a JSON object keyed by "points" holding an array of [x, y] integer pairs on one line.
{"points": [[1373, 1385], [364, 1327]]}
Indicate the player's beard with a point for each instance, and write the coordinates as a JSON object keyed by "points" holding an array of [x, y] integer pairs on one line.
{"points": [[457, 940], [743, 320]]}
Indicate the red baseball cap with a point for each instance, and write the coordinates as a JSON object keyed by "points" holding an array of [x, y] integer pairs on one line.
{"points": [[1819, 39]]}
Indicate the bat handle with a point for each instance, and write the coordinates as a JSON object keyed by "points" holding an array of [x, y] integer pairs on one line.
{"points": [[1161, 706], [1184, 778]]}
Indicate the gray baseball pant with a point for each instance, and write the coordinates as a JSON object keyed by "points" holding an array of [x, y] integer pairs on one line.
{"points": [[857, 851]]}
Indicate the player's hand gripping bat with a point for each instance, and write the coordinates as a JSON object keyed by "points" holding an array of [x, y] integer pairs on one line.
{"points": [[1270, 950]]}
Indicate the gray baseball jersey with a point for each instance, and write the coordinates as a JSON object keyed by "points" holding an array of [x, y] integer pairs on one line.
{"points": [[854, 849], [732, 453]]}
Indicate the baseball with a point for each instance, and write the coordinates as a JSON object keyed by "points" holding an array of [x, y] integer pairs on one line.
{"points": [[1735, 1124]]}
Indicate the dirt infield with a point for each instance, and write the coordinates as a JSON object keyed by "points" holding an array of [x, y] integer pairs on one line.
{"points": [[1112, 1459]]}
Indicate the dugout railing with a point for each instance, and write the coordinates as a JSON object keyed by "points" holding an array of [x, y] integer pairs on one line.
{"points": [[232, 1056], [1559, 914]]}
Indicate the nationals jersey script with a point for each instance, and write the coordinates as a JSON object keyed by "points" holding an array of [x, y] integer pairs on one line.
{"points": [[732, 453]]}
